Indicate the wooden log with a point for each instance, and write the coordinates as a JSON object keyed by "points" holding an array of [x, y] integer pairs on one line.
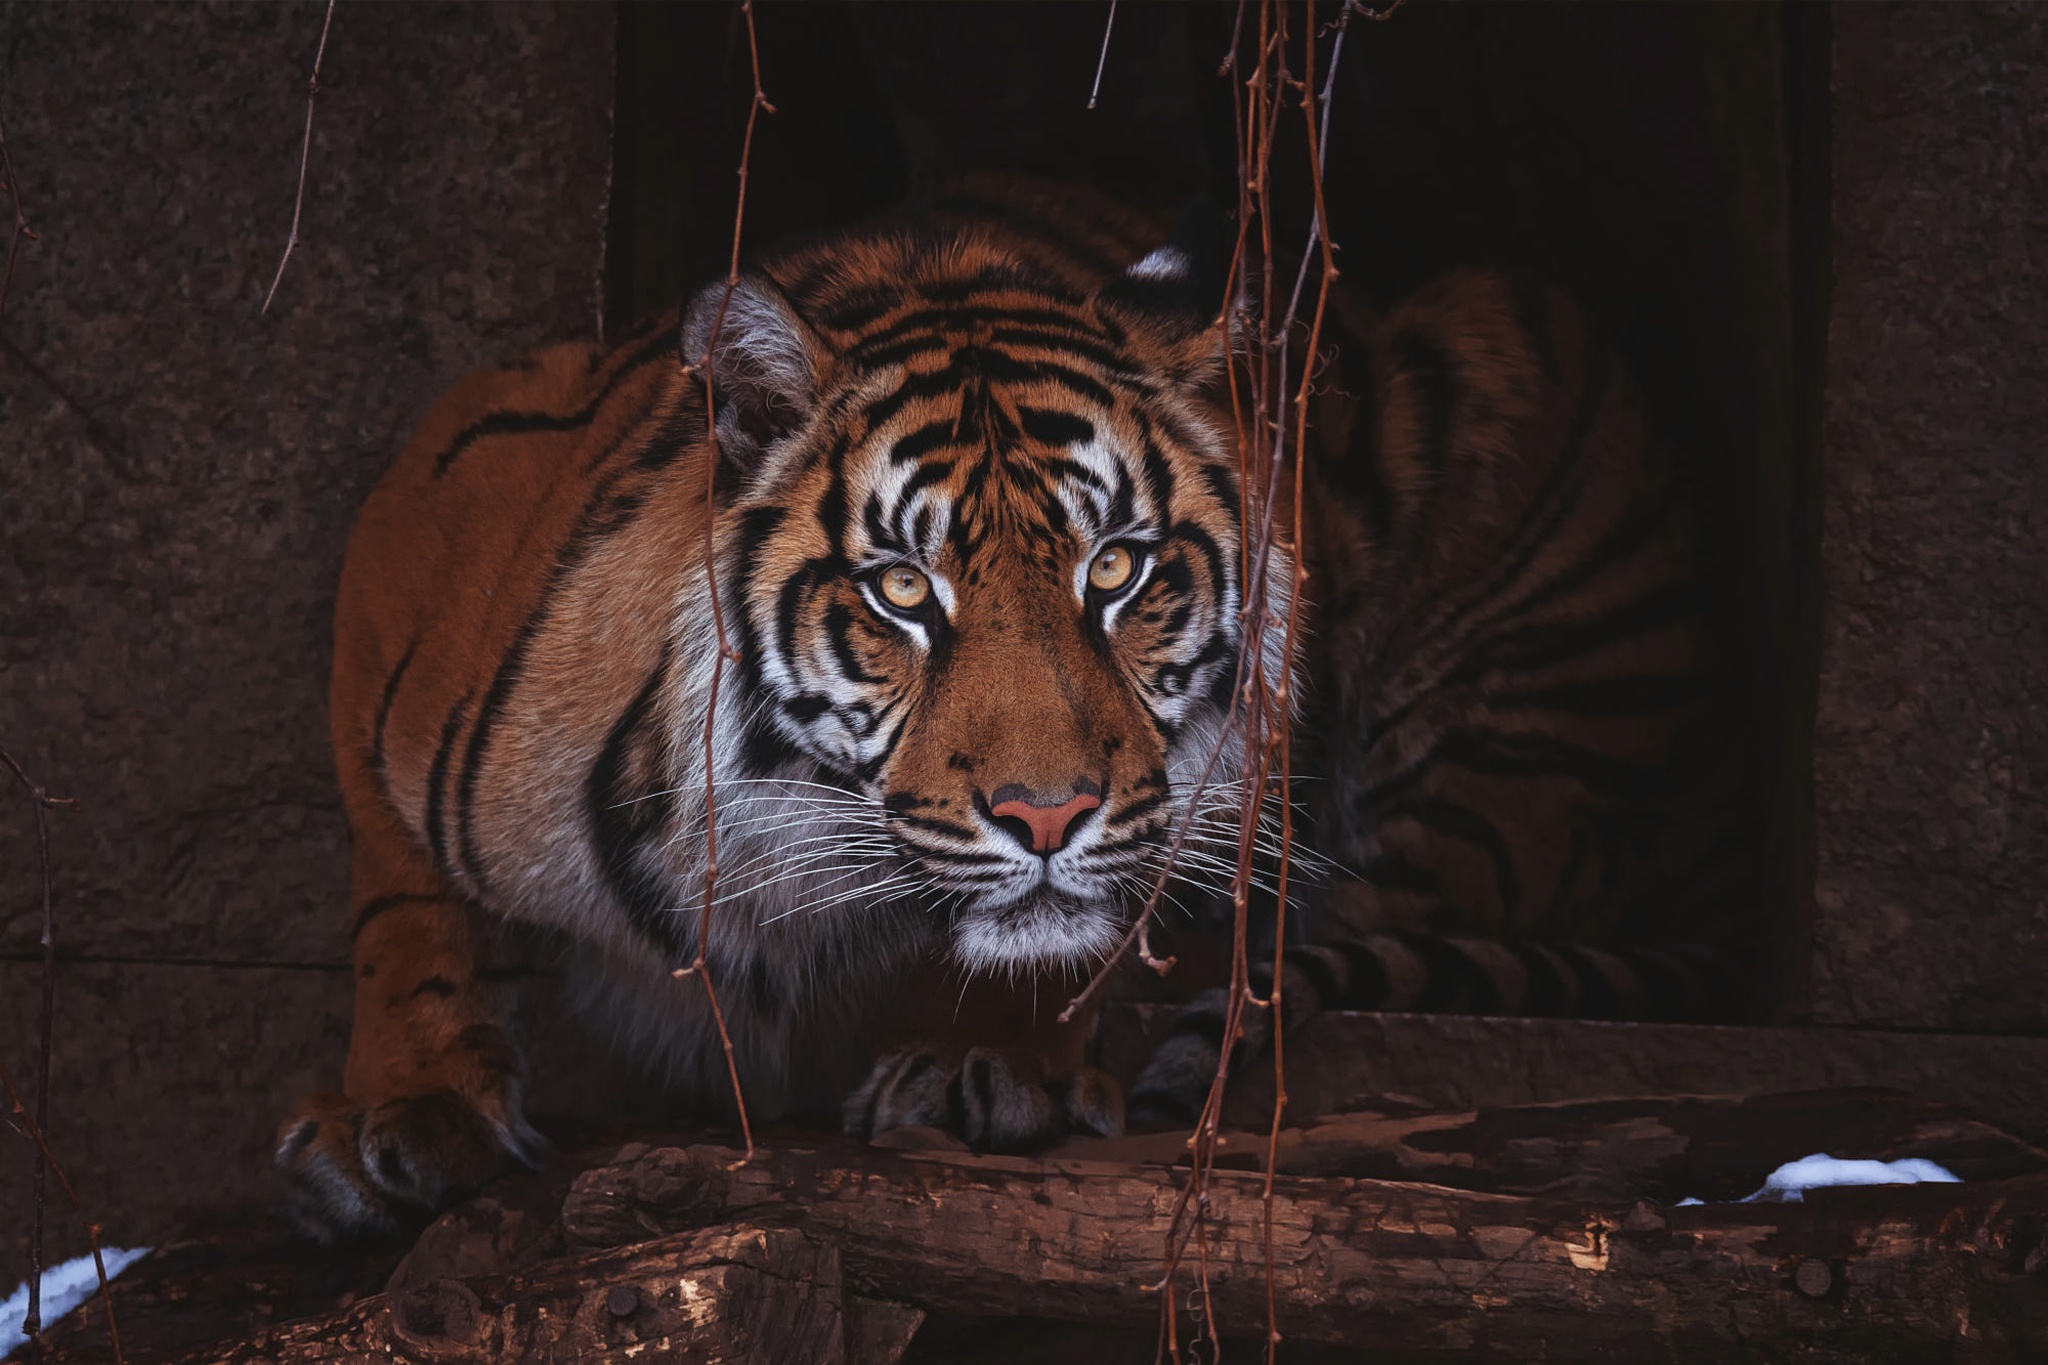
{"points": [[1553, 1242], [735, 1295], [1925, 1272], [1663, 1148]]}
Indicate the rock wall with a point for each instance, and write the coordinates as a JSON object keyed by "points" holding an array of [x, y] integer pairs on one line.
{"points": [[1931, 743], [177, 477]]}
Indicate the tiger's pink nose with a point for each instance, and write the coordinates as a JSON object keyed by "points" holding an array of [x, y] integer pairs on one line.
{"points": [[1046, 826]]}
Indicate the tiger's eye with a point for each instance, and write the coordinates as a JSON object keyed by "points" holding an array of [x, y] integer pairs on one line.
{"points": [[905, 587], [1112, 569]]}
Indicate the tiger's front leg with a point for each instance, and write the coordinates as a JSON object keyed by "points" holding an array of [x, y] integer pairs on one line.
{"points": [[432, 1095], [990, 1063]]}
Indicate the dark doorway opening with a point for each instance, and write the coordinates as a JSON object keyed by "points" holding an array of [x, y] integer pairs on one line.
{"points": [[1666, 164]]}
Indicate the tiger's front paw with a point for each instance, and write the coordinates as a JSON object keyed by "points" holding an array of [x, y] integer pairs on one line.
{"points": [[351, 1169], [995, 1099]]}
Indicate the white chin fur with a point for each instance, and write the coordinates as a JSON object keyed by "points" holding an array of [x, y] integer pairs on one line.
{"points": [[1046, 931]]}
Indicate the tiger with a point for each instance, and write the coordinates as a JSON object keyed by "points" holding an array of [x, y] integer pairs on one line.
{"points": [[909, 563], [1525, 750]]}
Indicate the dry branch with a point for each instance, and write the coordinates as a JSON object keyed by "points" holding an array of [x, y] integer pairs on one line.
{"points": [[1102, 58], [37, 1128], [725, 652], [305, 155]]}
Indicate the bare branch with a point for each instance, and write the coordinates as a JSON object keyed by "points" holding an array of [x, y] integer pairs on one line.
{"points": [[1102, 59], [725, 652], [37, 1128], [305, 153]]}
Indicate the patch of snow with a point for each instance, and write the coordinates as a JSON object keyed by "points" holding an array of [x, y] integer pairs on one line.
{"points": [[64, 1288], [1790, 1182]]}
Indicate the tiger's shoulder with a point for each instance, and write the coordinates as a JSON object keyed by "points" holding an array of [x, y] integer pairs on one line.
{"points": [[513, 472]]}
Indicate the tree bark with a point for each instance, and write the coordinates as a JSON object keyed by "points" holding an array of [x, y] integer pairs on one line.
{"points": [[735, 1295], [1545, 1232], [1925, 1272]]}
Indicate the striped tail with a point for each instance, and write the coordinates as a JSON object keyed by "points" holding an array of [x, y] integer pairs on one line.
{"points": [[1426, 974]]}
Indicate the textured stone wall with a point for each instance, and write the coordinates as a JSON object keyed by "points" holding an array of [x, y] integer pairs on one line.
{"points": [[1931, 763], [177, 477]]}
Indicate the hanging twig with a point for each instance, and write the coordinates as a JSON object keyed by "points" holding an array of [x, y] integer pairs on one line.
{"points": [[37, 1127], [1102, 59], [725, 652], [305, 154], [1269, 410]]}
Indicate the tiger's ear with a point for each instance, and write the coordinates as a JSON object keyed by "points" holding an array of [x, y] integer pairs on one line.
{"points": [[764, 366], [1172, 297]]}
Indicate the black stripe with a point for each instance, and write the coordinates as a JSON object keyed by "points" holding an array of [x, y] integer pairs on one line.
{"points": [[1451, 980], [1367, 983], [1324, 977], [384, 714], [1533, 648], [1637, 696], [1597, 999], [1545, 995], [1158, 473], [859, 308], [1049, 427], [927, 323], [1551, 507], [1670, 989], [1499, 753], [625, 817], [917, 444], [1111, 362], [1454, 821], [970, 363], [939, 827], [602, 516], [374, 908], [437, 786], [838, 621], [1644, 527], [524, 423]]}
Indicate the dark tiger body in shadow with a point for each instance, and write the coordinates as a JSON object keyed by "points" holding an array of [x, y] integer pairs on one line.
{"points": [[1524, 764]]}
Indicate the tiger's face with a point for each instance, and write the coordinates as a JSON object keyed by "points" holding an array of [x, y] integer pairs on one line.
{"points": [[985, 560]]}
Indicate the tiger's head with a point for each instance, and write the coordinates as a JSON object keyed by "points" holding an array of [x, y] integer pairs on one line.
{"points": [[981, 550]]}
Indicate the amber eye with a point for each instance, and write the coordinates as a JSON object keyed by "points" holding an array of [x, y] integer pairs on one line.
{"points": [[906, 588], [1112, 569]]}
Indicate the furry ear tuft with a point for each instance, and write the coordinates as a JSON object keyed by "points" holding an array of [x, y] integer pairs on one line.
{"points": [[764, 366], [1173, 296]]}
